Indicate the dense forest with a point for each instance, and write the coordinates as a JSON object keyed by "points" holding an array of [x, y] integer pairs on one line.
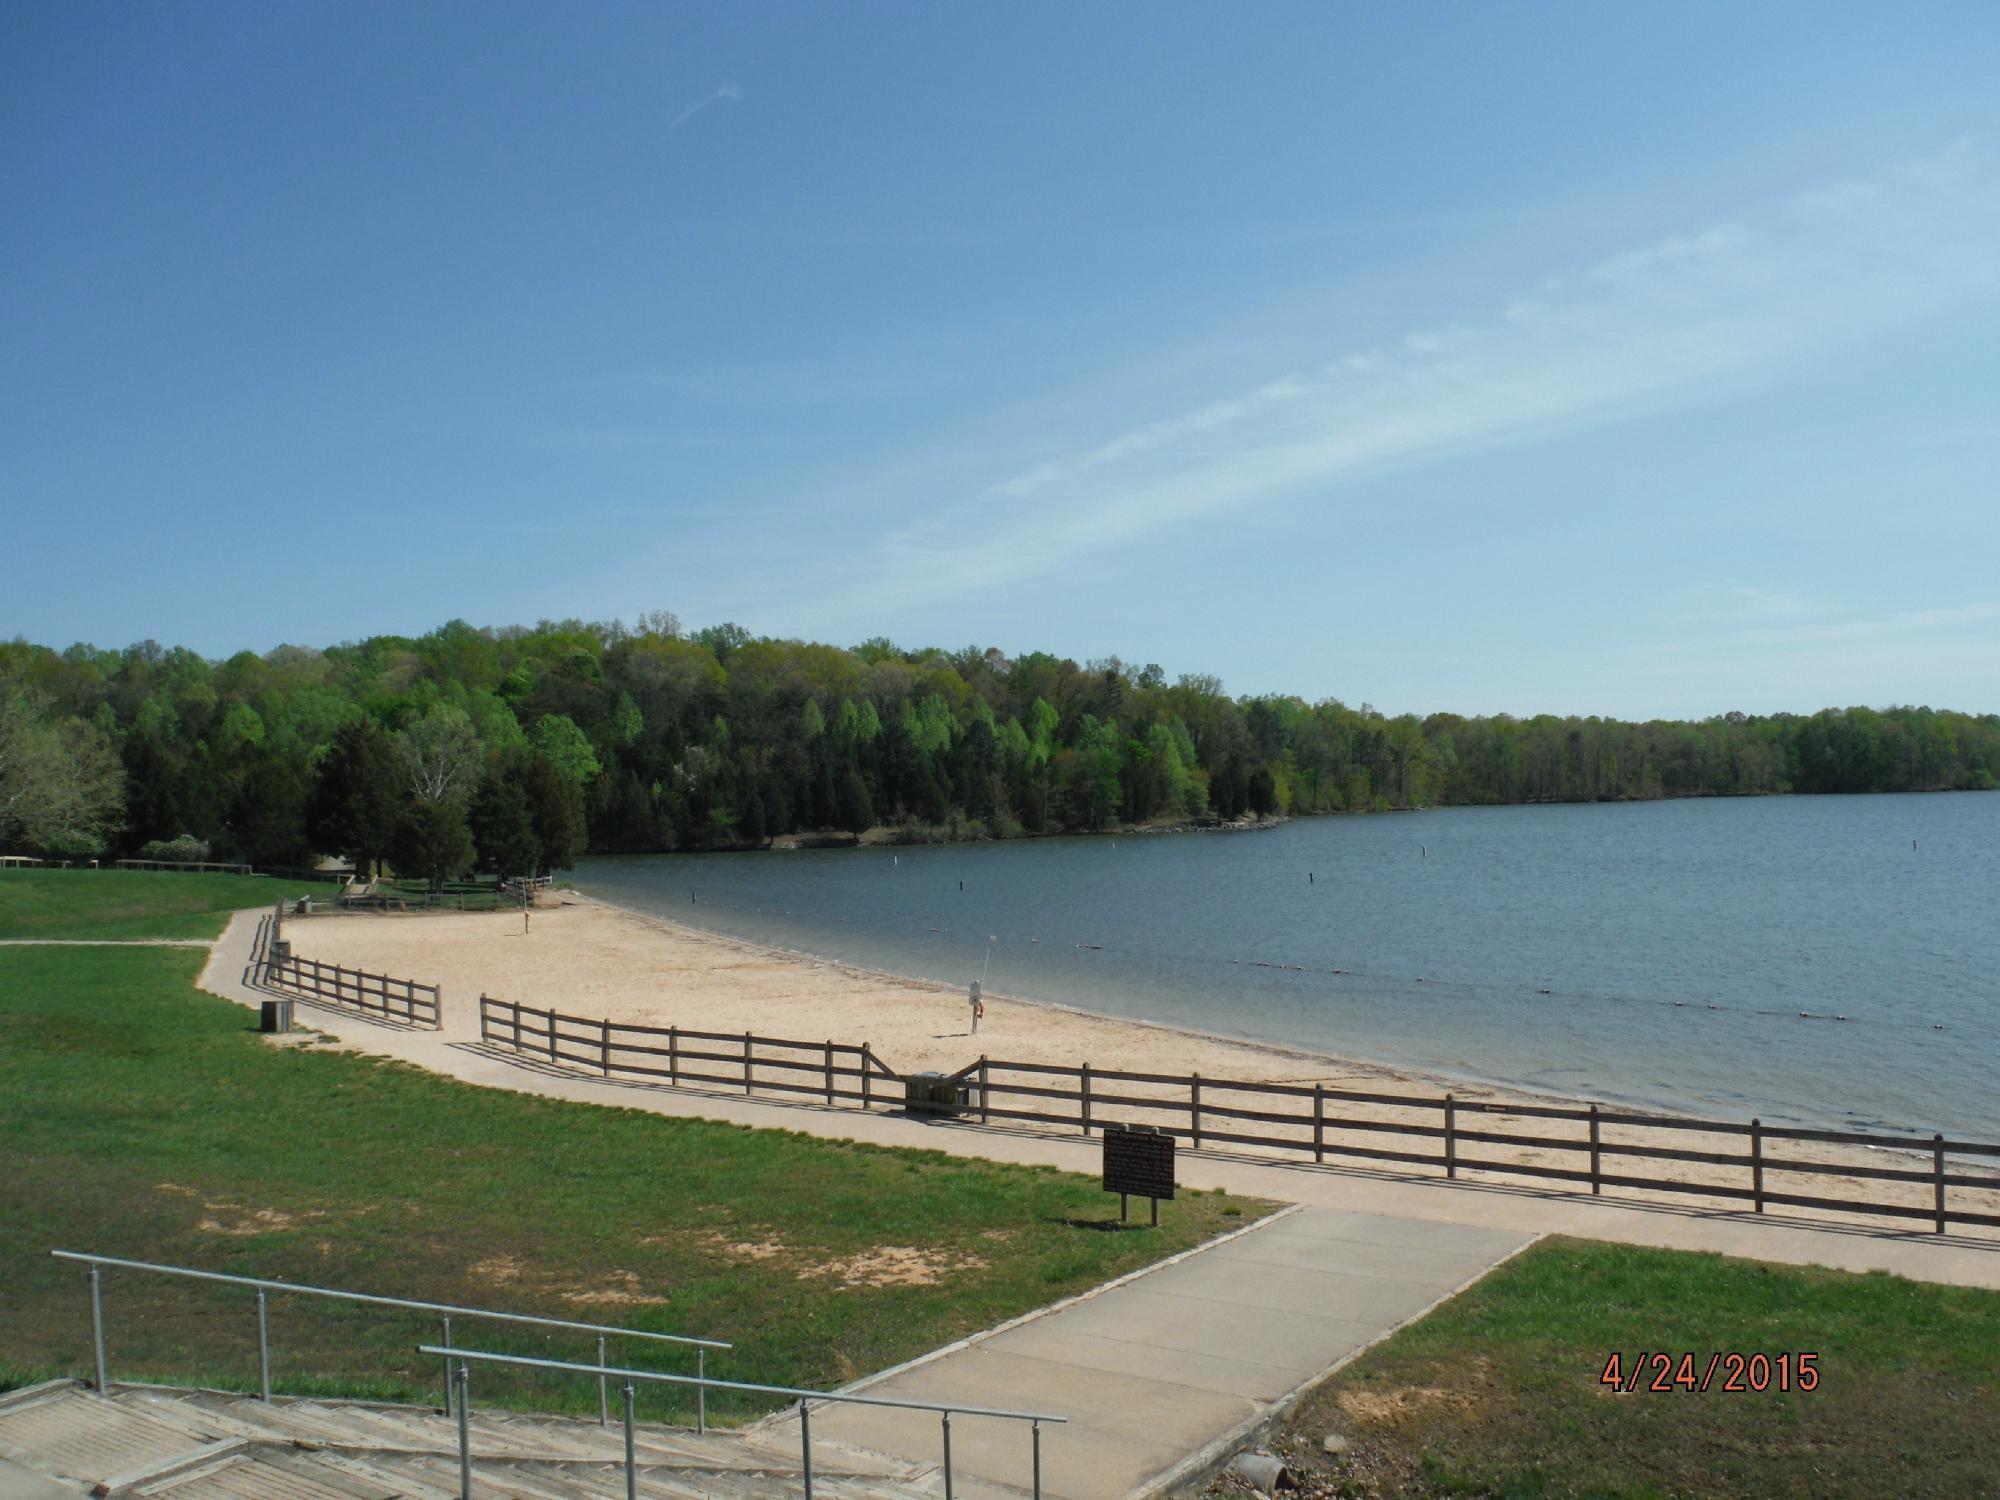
{"points": [[514, 749]]}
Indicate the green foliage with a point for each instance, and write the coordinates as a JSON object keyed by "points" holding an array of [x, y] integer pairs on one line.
{"points": [[555, 812], [558, 741], [503, 832], [187, 850], [671, 741], [61, 783], [440, 756], [354, 799], [430, 841]]}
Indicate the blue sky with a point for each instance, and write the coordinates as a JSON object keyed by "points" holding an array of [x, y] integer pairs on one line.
{"points": [[1528, 358]]}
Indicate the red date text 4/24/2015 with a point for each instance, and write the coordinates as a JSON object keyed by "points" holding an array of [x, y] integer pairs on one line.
{"points": [[1723, 1371]]}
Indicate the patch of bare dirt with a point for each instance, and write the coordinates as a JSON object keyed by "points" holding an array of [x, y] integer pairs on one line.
{"points": [[1375, 1404], [757, 1250], [623, 1290], [498, 1269], [895, 1265], [237, 1221]]}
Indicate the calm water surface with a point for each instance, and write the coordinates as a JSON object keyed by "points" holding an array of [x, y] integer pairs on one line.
{"points": [[1677, 941]]}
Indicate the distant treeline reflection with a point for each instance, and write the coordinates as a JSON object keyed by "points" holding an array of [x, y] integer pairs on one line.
{"points": [[520, 747]]}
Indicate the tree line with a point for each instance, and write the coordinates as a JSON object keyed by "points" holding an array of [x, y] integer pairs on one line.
{"points": [[517, 749]]}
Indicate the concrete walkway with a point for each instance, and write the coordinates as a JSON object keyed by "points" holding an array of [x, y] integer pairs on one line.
{"points": [[1785, 1238], [1162, 1368]]}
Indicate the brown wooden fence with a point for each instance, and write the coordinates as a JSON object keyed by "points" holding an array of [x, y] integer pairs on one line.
{"points": [[830, 1072], [1589, 1147], [401, 1001]]}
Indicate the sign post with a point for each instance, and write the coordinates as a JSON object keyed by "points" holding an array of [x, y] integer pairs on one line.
{"points": [[1138, 1159]]}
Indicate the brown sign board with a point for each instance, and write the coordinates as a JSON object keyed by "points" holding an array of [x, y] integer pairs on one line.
{"points": [[1139, 1160]]}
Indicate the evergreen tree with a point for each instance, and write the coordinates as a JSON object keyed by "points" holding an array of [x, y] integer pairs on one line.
{"points": [[429, 841], [555, 810], [503, 834], [355, 796]]}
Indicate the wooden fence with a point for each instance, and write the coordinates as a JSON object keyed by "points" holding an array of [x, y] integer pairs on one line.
{"points": [[186, 866], [1588, 1147], [402, 1001], [829, 1072]]}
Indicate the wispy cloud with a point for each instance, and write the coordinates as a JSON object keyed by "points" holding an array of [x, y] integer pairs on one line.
{"points": [[1671, 323], [723, 93]]}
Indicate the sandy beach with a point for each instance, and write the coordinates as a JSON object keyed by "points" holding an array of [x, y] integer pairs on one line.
{"points": [[592, 960]]}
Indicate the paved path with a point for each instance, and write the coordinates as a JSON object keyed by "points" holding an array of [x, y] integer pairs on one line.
{"points": [[1155, 1368], [1523, 1210]]}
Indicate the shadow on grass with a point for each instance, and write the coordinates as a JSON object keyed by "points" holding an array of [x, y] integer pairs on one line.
{"points": [[1101, 1226]]}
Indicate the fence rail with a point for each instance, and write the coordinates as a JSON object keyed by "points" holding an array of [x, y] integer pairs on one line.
{"points": [[186, 866], [1585, 1147], [830, 1072]]}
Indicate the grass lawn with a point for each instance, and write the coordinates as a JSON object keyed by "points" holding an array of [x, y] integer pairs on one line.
{"points": [[1497, 1393], [144, 1119], [131, 903]]}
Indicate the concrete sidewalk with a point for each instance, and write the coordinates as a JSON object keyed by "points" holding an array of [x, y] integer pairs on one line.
{"points": [[1785, 1238], [1159, 1368]]}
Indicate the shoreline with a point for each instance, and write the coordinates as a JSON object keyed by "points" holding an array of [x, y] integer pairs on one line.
{"points": [[1288, 1051], [1461, 1083]]}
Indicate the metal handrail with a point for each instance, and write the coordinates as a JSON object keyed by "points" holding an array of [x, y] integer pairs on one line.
{"points": [[804, 1397], [445, 1310]]}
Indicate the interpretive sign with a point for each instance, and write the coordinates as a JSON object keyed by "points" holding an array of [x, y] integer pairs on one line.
{"points": [[1138, 1159]]}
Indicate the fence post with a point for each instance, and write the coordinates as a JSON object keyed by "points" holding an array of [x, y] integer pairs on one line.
{"points": [[97, 1325], [1596, 1185], [464, 1430], [1937, 1176], [806, 1443], [631, 1463], [867, 1076], [746, 1062], [829, 1072], [263, 1348], [603, 1387], [947, 1456], [1083, 1094], [1035, 1430], [1757, 1164], [1319, 1122], [1450, 1138], [674, 1056], [446, 1320], [701, 1391], [984, 1118], [515, 1007], [552, 1033], [1194, 1108], [605, 1043]]}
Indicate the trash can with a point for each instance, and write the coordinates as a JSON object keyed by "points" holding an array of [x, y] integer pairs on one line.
{"points": [[935, 1094], [277, 1016]]}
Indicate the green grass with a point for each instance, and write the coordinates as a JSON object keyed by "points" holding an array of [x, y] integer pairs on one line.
{"points": [[1496, 1393], [144, 1119], [131, 903]]}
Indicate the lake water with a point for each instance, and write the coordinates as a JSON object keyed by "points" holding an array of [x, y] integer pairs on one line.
{"points": [[1677, 942]]}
